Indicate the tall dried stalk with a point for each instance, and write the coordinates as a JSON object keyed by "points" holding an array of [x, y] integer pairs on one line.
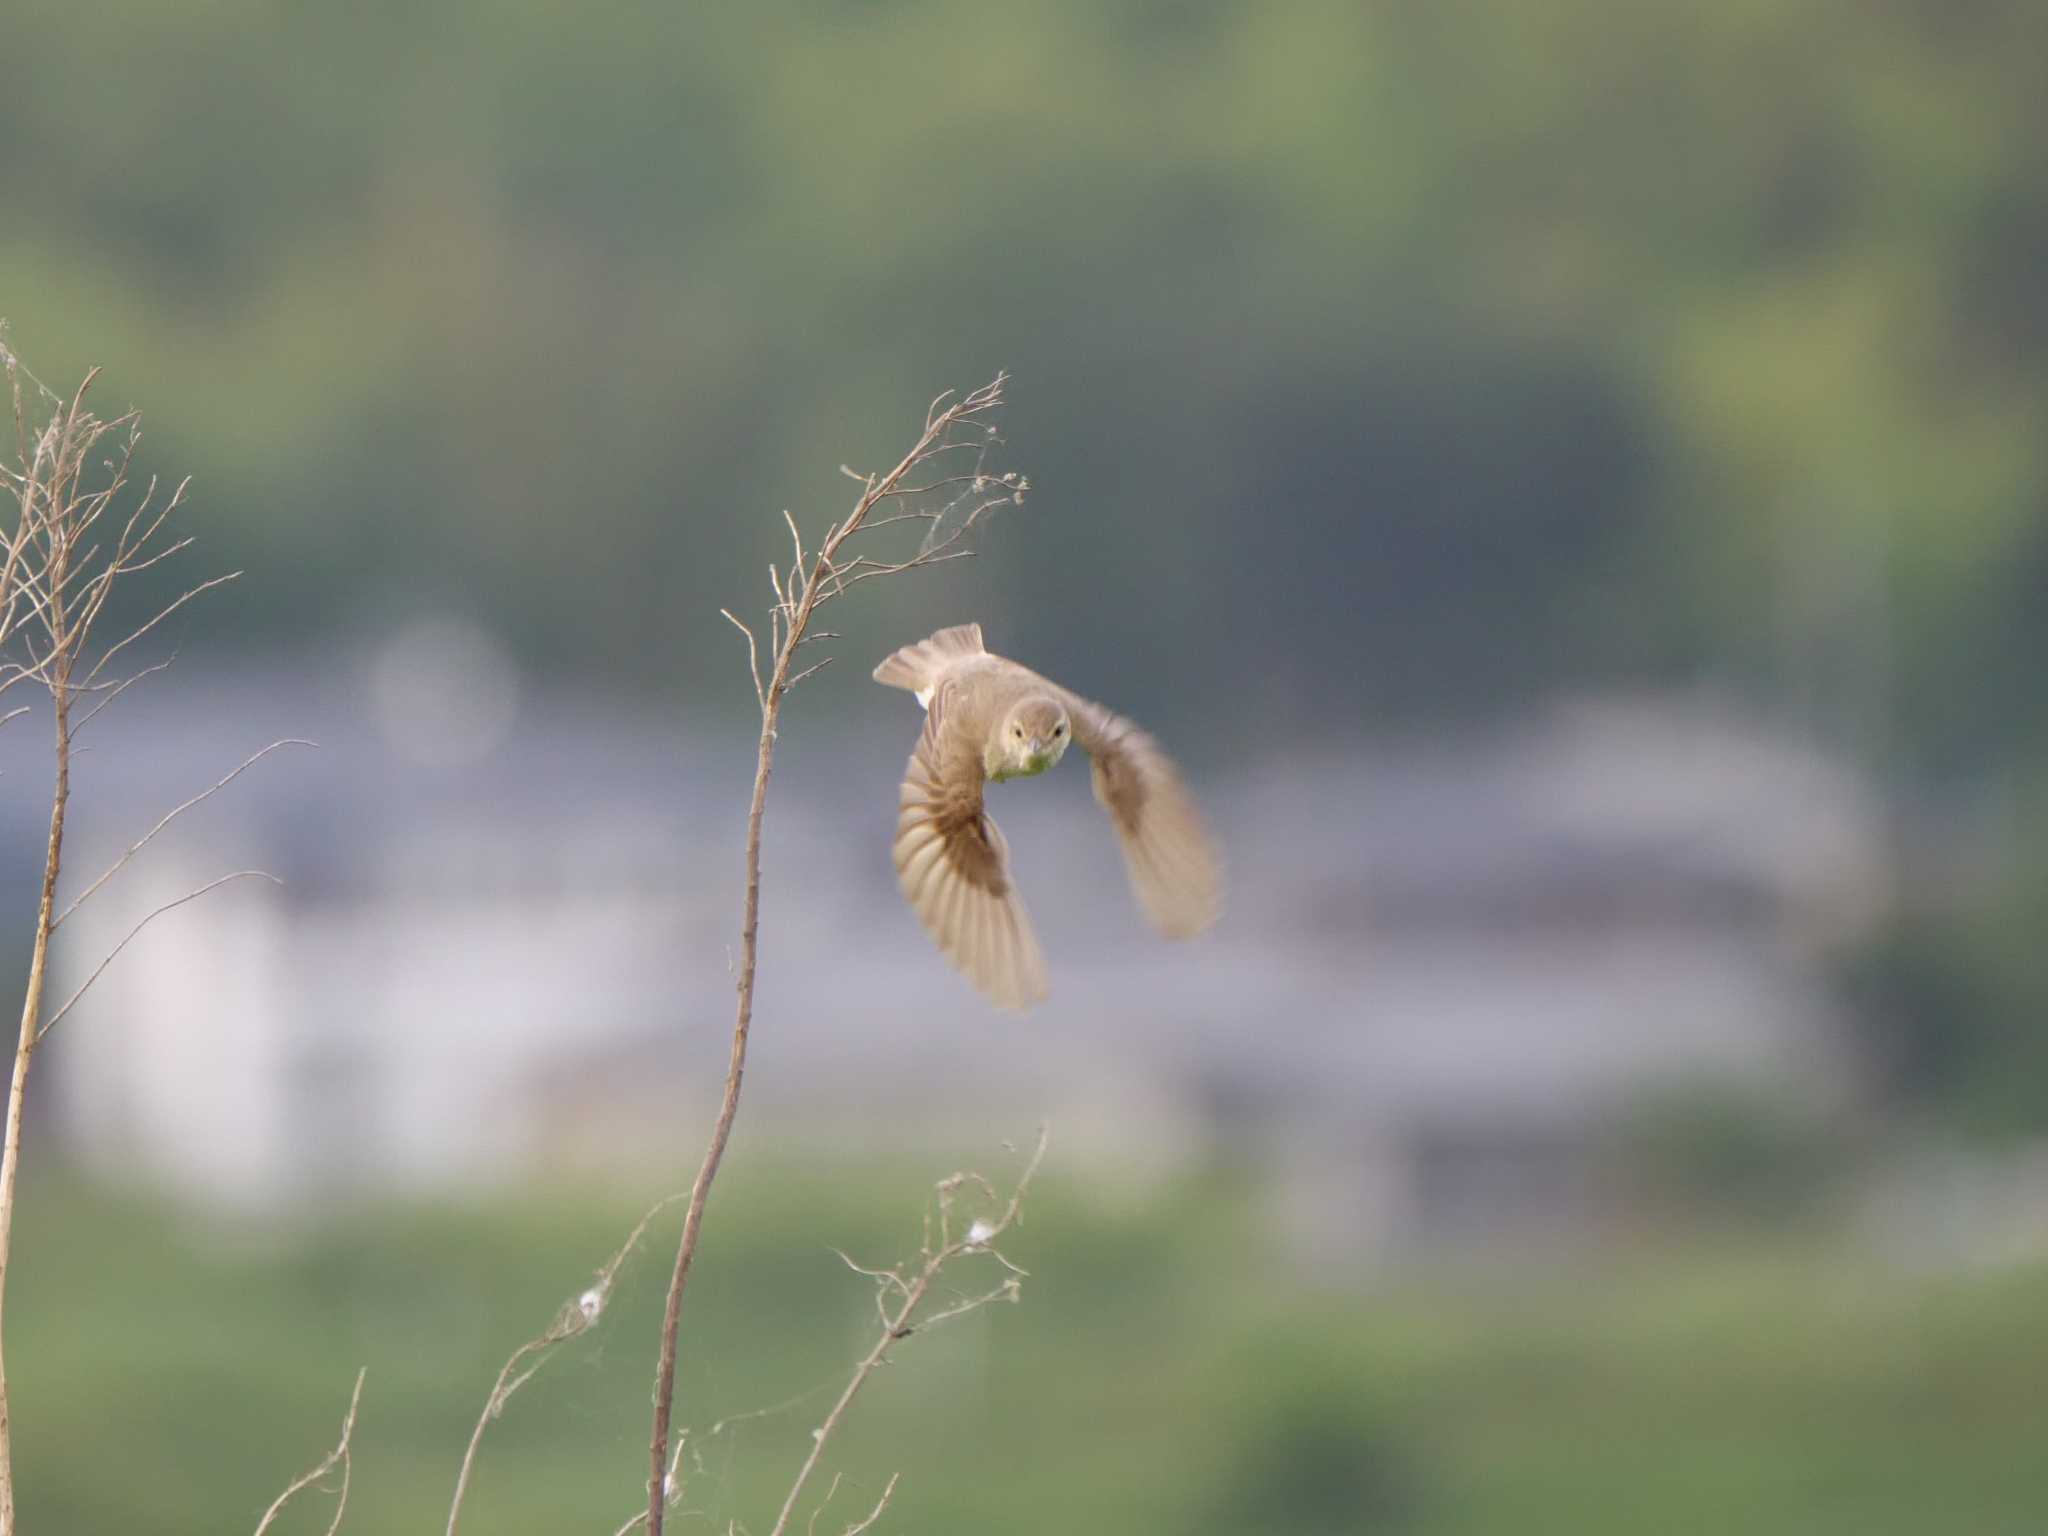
{"points": [[943, 484], [64, 552], [964, 1223]]}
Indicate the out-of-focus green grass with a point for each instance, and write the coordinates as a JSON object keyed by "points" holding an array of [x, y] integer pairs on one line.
{"points": [[1168, 1371]]}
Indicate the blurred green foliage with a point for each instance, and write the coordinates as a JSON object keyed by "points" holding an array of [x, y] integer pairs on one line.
{"points": [[1714, 1152], [1168, 1370], [1300, 1437], [1500, 346], [1952, 996]]}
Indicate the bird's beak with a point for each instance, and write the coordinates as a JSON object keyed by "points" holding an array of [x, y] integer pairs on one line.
{"points": [[1037, 747]]}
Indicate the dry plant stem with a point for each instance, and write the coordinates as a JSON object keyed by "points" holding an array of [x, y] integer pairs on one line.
{"points": [[52, 603], [340, 1454], [577, 1315], [17, 1088], [135, 932], [170, 816], [62, 555], [908, 1290], [810, 583], [669, 1484], [888, 1492], [867, 1520]]}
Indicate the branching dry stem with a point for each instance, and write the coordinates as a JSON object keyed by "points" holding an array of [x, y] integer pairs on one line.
{"points": [[813, 579], [64, 550], [900, 1292], [339, 1456], [577, 1316], [170, 816]]}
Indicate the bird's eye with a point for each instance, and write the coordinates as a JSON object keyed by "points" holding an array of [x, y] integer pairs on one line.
{"points": [[1059, 730]]}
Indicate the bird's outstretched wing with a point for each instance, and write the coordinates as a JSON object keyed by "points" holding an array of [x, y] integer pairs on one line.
{"points": [[954, 867], [1176, 872]]}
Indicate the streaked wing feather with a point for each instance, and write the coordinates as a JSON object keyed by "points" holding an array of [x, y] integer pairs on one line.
{"points": [[953, 867]]}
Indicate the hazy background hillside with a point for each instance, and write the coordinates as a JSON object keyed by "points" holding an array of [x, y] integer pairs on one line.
{"points": [[1405, 360], [1570, 481]]}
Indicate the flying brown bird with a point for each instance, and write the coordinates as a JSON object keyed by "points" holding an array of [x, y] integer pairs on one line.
{"points": [[987, 718]]}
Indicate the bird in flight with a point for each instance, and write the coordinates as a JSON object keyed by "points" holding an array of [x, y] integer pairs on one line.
{"points": [[989, 719]]}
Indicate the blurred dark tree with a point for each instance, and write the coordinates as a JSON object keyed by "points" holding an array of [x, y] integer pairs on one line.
{"points": [[1312, 1448], [1404, 361], [1952, 998], [1726, 1154]]}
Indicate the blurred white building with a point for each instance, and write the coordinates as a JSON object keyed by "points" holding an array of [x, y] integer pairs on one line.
{"points": [[1442, 965]]}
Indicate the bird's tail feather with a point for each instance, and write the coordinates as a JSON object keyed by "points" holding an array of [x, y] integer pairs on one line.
{"points": [[913, 666]]}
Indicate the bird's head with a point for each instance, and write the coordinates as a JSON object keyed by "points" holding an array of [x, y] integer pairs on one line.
{"points": [[1032, 736]]}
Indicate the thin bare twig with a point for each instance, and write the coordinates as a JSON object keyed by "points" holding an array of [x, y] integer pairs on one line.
{"points": [[950, 425], [816, 666], [172, 815], [753, 656], [340, 1454], [148, 918], [577, 1316], [114, 690], [888, 1492], [913, 1286], [163, 613]]}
